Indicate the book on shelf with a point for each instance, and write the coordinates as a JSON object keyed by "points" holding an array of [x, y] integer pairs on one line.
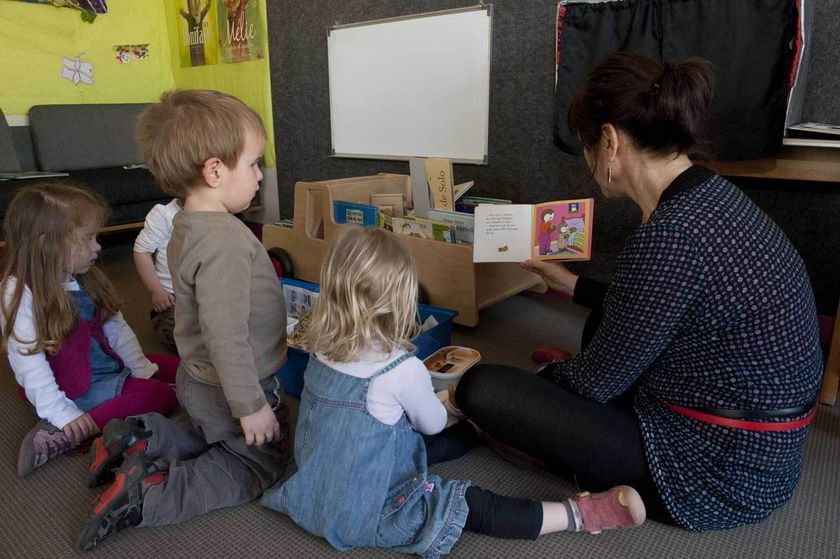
{"points": [[464, 223], [460, 189], [285, 223], [355, 212], [439, 176], [395, 201], [485, 200], [465, 207], [386, 215], [423, 228], [468, 204], [557, 230]]}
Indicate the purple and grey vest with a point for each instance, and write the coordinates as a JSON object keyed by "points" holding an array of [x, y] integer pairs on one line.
{"points": [[71, 366]]}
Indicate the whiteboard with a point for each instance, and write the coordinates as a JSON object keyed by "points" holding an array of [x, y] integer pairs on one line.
{"points": [[416, 86]]}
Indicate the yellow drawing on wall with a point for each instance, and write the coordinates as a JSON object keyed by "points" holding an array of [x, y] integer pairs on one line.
{"points": [[198, 42]]}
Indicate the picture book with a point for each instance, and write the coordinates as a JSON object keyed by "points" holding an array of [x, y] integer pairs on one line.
{"points": [[558, 230], [356, 212], [394, 201], [423, 228], [464, 223], [439, 175]]}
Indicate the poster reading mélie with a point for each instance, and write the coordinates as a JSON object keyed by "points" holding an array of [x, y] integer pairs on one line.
{"points": [[212, 31], [241, 32]]}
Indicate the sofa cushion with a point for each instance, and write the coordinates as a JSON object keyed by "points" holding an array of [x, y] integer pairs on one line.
{"points": [[8, 154], [115, 185], [73, 137], [119, 186]]}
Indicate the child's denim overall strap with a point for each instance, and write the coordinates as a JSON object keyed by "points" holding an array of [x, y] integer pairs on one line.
{"points": [[360, 482]]}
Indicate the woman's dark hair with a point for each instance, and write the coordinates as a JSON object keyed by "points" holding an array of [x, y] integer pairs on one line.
{"points": [[663, 107]]}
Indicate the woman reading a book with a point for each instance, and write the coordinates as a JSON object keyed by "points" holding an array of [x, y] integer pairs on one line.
{"points": [[700, 363]]}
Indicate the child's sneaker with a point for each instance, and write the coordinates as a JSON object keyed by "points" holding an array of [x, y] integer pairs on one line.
{"points": [[43, 442], [620, 507], [121, 504], [120, 438]]}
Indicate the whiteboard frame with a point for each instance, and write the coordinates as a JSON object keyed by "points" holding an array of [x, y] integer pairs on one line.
{"points": [[488, 8]]}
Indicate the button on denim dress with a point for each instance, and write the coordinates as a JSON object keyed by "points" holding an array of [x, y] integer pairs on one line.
{"points": [[360, 482]]}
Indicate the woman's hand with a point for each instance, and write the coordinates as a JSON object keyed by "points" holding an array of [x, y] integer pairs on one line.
{"points": [[555, 275], [80, 429]]}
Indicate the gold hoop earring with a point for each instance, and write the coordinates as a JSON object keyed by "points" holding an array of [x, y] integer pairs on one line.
{"points": [[609, 175]]}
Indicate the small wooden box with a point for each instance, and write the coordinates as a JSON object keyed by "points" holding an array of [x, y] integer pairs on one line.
{"points": [[446, 271]]}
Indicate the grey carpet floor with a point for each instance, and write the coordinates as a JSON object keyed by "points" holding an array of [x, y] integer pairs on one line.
{"points": [[41, 514]]}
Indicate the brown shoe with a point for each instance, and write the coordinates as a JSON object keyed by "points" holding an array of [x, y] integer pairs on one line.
{"points": [[43, 442]]}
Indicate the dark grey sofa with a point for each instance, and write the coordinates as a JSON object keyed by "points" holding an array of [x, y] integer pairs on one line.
{"points": [[95, 144]]}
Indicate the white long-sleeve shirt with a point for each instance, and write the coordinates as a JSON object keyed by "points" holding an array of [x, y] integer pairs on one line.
{"points": [[33, 372], [154, 239], [406, 388]]}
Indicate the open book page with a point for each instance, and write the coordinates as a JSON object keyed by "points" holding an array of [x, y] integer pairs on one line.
{"points": [[562, 230], [502, 232]]}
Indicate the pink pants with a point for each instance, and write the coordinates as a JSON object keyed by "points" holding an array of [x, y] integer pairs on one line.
{"points": [[141, 396]]}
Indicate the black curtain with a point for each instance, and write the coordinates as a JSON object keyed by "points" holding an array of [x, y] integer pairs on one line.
{"points": [[751, 43]]}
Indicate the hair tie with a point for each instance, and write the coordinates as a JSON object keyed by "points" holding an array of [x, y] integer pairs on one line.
{"points": [[656, 85]]}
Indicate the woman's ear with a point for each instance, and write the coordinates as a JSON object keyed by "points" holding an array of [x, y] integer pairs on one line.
{"points": [[609, 140], [212, 171]]}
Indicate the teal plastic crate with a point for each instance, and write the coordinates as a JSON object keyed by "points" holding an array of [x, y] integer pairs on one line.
{"points": [[291, 375]]}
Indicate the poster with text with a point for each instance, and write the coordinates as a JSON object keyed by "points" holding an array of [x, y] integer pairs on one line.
{"points": [[198, 42], [241, 30]]}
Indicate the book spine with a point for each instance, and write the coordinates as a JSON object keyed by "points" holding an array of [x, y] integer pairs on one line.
{"points": [[439, 175], [355, 212]]}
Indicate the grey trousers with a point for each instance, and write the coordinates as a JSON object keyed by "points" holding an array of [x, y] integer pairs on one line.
{"points": [[210, 466]]}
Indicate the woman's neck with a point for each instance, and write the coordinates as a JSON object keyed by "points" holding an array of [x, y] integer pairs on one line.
{"points": [[651, 176]]}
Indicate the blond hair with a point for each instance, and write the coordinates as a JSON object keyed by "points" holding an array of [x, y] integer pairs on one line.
{"points": [[368, 296], [43, 224], [188, 127]]}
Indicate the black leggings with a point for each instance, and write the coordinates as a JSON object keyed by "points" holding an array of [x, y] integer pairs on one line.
{"points": [[595, 446], [491, 514]]}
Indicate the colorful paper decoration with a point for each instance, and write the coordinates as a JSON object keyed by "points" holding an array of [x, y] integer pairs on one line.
{"points": [[95, 6], [77, 71], [125, 53]]}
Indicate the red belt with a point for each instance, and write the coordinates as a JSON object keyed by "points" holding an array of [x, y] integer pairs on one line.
{"points": [[744, 424]]}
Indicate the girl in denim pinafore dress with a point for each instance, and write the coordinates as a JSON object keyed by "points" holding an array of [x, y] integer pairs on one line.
{"points": [[362, 477], [381, 495]]}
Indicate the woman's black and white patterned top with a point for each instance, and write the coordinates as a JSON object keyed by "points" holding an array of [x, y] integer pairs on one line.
{"points": [[710, 307]]}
